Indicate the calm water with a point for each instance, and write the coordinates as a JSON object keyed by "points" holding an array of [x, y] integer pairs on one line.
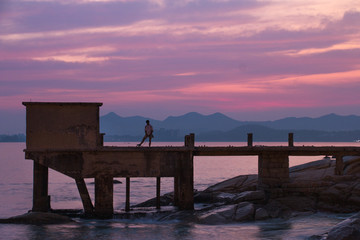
{"points": [[16, 198]]}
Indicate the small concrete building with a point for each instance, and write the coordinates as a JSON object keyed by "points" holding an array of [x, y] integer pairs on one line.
{"points": [[65, 137], [59, 125]]}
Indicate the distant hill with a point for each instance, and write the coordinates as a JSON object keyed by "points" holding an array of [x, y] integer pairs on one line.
{"points": [[331, 122], [219, 127]]}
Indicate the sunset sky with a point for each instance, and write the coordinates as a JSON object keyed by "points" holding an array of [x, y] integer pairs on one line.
{"points": [[248, 59]]}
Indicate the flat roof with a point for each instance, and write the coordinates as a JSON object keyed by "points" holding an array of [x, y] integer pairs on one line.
{"points": [[61, 103]]}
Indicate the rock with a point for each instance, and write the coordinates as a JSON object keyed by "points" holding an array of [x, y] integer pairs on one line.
{"points": [[165, 200], [245, 211], [219, 215], [225, 197], [229, 213], [348, 229], [261, 214], [204, 197], [38, 218], [250, 196], [186, 216], [320, 164], [235, 185]]}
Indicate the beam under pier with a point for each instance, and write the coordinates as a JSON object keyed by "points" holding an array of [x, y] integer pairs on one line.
{"points": [[85, 197]]}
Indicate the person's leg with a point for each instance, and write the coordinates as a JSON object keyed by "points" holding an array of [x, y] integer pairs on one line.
{"points": [[142, 141], [150, 141]]}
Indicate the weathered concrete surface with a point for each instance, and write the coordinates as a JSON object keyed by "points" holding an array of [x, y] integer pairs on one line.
{"points": [[38, 218], [58, 125]]}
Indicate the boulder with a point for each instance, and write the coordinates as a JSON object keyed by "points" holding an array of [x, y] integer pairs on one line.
{"points": [[250, 196], [244, 211], [235, 185], [348, 229], [229, 213], [218, 215], [261, 214]]}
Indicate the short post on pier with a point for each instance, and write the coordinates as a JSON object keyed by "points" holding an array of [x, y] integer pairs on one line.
{"points": [[291, 139], [250, 139]]}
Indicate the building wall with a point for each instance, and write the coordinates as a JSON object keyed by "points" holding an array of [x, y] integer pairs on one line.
{"points": [[51, 125]]}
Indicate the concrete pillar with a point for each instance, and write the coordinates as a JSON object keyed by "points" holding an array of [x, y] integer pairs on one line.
{"points": [[291, 139], [104, 191], [339, 168], [85, 197], [176, 191], [127, 190], [184, 179], [273, 170], [158, 183], [250, 139], [41, 200]]}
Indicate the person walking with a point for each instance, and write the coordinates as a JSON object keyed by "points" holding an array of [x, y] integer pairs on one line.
{"points": [[148, 133]]}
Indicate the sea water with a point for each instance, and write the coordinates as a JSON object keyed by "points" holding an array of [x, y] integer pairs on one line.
{"points": [[16, 199]]}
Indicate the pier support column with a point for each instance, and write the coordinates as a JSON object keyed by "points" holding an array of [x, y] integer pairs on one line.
{"points": [[184, 179], [176, 191], [85, 197], [104, 191], [339, 168], [273, 170], [158, 185], [41, 200], [127, 190]]}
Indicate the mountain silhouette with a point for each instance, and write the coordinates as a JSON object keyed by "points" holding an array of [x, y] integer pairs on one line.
{"points": [[219, 127]]}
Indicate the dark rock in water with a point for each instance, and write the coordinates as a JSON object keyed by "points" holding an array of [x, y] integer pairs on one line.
{"points": [[38, 218], [165, 200], [229, 213], [261, 214], [250, 196], [204, 197], [348, 229]]}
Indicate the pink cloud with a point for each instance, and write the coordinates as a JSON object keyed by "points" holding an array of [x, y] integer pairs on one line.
{"points": [[181, 56]]}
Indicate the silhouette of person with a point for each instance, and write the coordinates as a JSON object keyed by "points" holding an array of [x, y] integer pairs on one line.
{"points": [[148, 133]]}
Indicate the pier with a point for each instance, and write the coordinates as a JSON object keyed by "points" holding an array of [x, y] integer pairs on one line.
{"points": [[66, 138]]}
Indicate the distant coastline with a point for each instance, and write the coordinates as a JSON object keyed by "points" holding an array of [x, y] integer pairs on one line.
{"points": [[12, 138]]}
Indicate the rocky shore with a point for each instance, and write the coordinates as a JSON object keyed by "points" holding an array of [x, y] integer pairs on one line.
{"points": [[313, 187]]}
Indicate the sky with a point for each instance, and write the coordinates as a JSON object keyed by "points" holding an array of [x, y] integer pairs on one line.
{"points": [[249, 59]]}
